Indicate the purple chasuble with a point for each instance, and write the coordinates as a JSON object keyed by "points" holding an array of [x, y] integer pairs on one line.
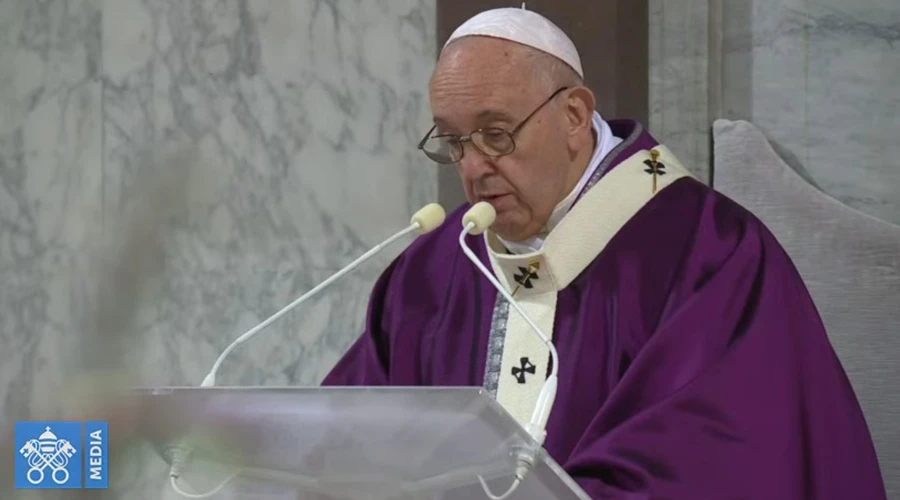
{"points": [[693, 362]]}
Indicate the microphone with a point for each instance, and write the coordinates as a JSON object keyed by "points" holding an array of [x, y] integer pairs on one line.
{"points": [[476, 221], [425, 220]]}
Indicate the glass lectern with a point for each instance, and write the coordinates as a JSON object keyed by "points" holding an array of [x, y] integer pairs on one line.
{"points": [[348, 443]]}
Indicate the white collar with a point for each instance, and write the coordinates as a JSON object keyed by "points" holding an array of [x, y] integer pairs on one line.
{"points": [[606, 141]]}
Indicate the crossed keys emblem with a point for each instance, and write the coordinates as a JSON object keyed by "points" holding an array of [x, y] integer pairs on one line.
{"points": [[523, 279], [48, 451], [654, 166]]}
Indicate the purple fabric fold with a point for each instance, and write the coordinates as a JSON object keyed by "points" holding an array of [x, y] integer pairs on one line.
{"points": [[693, 362]]}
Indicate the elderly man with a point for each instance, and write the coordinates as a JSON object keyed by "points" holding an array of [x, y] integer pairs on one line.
{"points": [[692, 362]]}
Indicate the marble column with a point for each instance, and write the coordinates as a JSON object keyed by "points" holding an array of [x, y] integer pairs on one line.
{"points": [[679, 90]]}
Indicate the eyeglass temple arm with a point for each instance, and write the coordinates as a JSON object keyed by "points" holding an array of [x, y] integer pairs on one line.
{"points": [[427, 135]]}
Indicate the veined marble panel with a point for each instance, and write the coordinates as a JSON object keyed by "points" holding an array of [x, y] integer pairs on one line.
{"points": [[172, 173], [285, 133], [678, 57], [819, 78], [50, 181]]}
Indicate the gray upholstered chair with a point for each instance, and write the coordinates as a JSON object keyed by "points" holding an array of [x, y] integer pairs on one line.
{"points": [[850, 262]]}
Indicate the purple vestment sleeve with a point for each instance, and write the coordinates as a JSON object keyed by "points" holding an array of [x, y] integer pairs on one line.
{"points": [[366, 362], [410, 303], [736, 394]]}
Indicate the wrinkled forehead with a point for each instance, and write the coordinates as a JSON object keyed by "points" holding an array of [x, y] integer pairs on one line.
{"points": [[478, 79]]}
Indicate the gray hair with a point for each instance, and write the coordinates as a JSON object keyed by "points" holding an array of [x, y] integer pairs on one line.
{"points": [[551, 72]]}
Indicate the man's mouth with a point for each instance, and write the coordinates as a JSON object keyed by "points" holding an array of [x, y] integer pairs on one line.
{"points": [[500, 202]]}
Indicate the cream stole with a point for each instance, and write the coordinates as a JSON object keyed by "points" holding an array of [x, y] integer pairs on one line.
{"points": [[535, 279]]}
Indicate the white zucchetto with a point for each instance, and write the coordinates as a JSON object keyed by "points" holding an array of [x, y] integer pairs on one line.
{"points": [[524, 27]]}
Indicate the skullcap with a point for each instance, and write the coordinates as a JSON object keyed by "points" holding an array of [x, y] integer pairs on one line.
{"points": [[524, 27]]}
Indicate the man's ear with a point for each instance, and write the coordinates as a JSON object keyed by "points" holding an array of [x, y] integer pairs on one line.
{"points": [[580, 104]]}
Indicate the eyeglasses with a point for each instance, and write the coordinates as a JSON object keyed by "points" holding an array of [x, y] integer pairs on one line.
{"points": [[493, 142]]}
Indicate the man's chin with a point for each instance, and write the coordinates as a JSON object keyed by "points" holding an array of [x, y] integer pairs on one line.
{"points": [[509, 230]]}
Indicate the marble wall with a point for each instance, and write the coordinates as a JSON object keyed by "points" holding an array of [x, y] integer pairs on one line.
{"points": [[678, 89], [172, 173], [819, 77]]}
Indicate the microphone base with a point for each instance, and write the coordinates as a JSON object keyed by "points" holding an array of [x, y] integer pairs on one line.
{"points": [[178, 456]]}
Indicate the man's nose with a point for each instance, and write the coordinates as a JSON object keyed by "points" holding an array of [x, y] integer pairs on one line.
{"points": [[474, 164]]}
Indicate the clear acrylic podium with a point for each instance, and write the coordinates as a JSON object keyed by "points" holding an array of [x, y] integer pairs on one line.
{"points": [[348, 443]]}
